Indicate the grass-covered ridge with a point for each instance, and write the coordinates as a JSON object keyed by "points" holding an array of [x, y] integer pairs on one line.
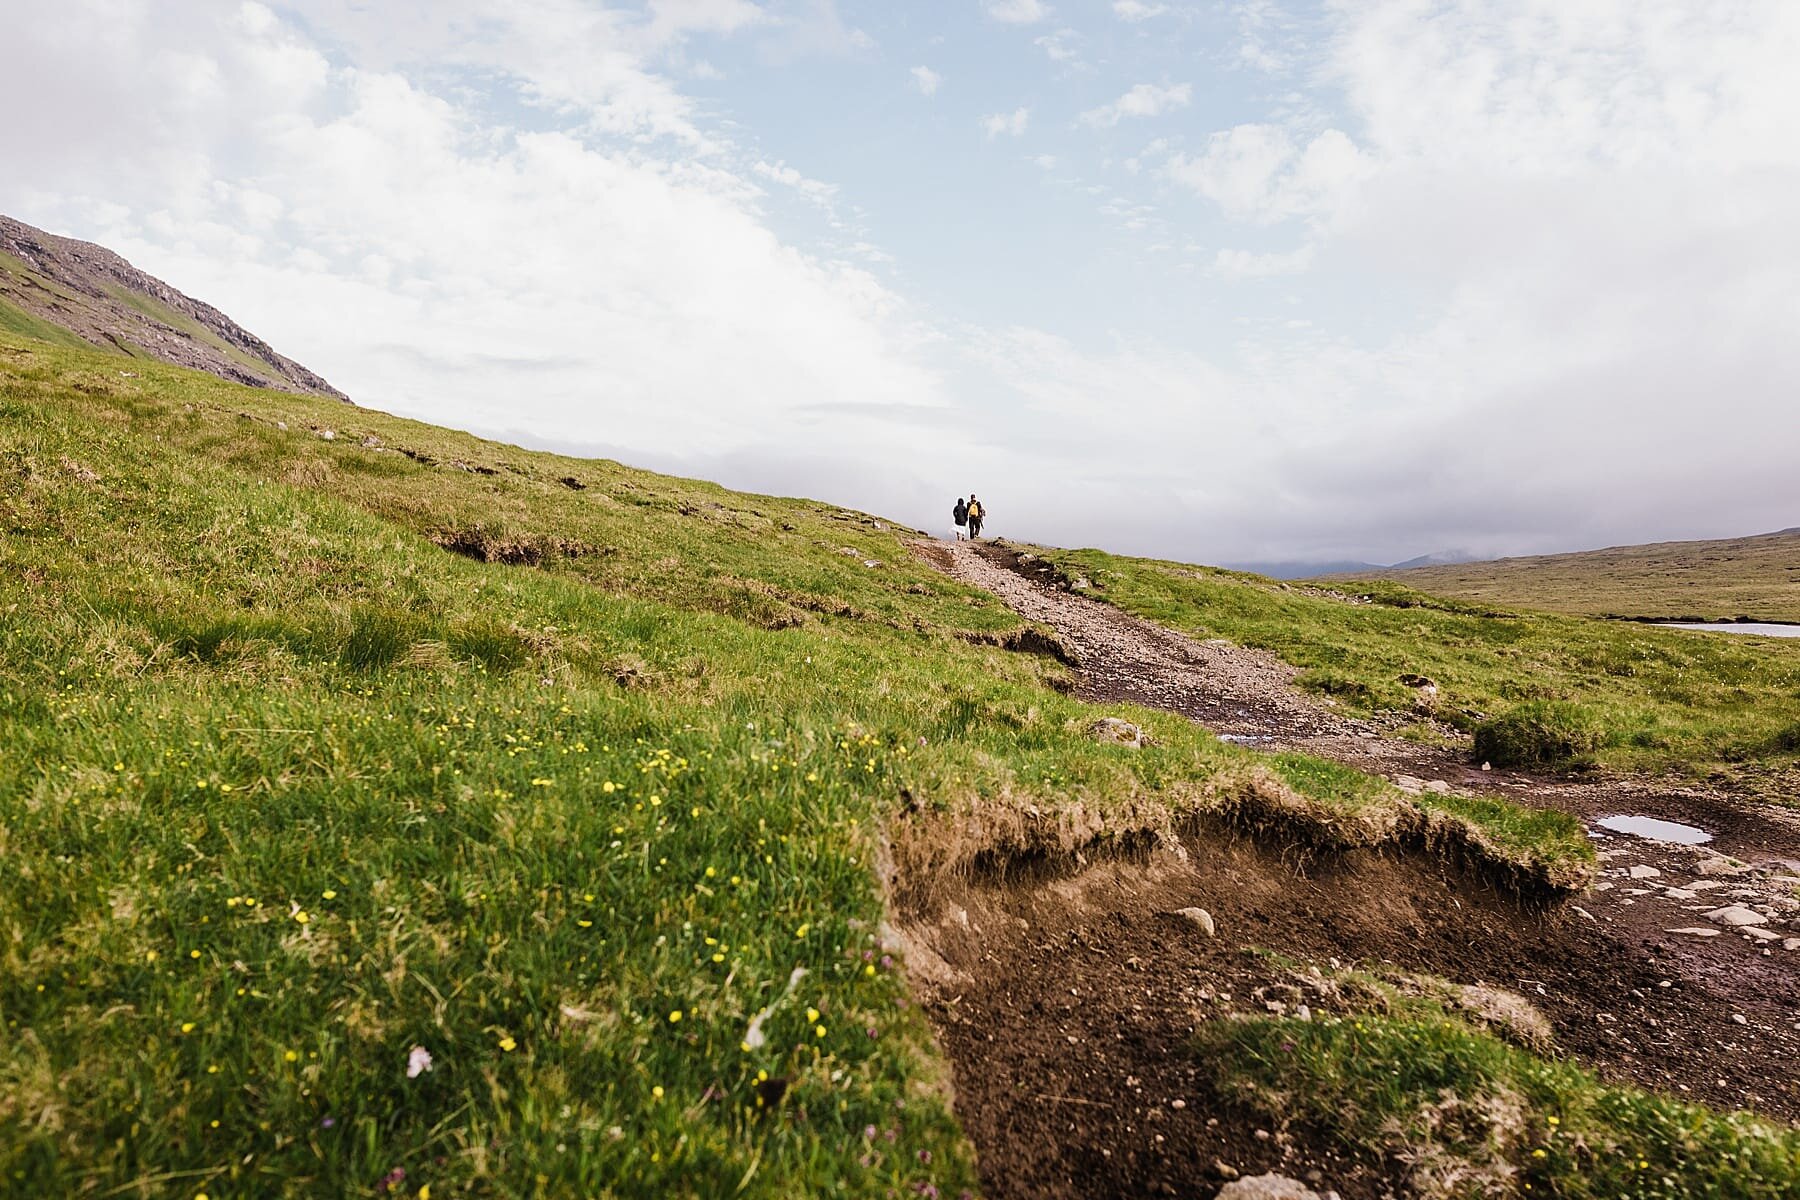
{"points": [[1721, 579], [294, 779], [1626, 694]]}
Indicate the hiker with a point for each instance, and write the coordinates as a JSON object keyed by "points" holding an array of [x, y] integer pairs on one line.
{"points": [[961, 515], [976, 514]]}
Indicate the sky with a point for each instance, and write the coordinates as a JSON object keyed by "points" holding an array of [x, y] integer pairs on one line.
{"points": [[1224, 282]]}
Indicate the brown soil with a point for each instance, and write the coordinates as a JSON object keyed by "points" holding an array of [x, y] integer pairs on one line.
{"points": [[1064, 995]]}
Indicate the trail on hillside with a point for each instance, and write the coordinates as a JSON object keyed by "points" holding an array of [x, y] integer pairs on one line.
{"points": [[1069, 996]]}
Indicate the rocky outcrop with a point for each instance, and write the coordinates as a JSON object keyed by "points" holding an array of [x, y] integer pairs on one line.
{"points": [[104, 300]]}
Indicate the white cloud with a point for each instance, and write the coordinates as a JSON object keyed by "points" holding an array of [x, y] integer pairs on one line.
{"points": [[812, 189], [1136, 10], [1246, 264], [670, 18], [604, 290], [1018, 12], [1011, 124], [1259, 173], [1144, 100], [926, 80], [1060, 47]]}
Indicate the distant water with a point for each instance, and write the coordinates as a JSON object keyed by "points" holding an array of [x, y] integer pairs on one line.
{"points": [[1745, 627]]}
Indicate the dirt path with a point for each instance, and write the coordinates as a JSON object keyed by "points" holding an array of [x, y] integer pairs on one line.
{"points": [[1064, 1000]]}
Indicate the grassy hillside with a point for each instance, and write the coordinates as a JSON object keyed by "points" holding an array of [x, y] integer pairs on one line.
{"points": [[322, 755], [1643, 697], [314, 750], [1756, 577]]}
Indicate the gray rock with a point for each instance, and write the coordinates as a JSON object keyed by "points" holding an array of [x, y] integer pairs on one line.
{"points": [[1761, 934], [1696, 931], [1642, 871], [1199, 918], [1736, 915], [1267, 1187], [1121, 733], [1790, 944]]}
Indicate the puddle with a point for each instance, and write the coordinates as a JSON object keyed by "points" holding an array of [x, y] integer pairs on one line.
{"points": [[1744, 627], [1655, 830]]}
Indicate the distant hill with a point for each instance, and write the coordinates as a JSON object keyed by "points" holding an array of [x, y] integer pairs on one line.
{"points": [[1314, 569], [1440, 558], [71, 293], [1720, 580], [1305, 570]]}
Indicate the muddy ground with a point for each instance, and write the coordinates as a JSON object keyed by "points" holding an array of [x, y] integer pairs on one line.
{"points": [[1065, 995]]}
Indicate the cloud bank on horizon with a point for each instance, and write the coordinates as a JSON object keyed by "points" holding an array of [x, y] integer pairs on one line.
{"points": [[1220, 281]]}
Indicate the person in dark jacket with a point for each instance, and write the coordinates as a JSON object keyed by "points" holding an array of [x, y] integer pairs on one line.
{"points": [[960, 514]]}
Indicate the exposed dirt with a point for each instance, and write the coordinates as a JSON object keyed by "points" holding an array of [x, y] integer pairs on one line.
{"points": [[1065, 1001]]}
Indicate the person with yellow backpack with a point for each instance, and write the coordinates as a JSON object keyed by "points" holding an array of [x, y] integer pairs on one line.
{"points": [[976, 513]]}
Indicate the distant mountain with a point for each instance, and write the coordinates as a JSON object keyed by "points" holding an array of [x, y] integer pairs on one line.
{"points": [[1754, 577], [74, 293], [1440, 558]]}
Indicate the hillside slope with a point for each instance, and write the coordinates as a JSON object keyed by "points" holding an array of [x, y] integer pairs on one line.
{"points": [[383, 809], [74, 293], [1725, 579]]}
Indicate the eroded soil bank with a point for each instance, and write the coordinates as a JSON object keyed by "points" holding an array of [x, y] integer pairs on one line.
{"points": [[1066, 995]]}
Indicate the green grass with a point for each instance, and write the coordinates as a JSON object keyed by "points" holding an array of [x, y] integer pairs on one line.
{"points": [[287, 788], [1468, 1113], [162, 314], [1648, 698]]}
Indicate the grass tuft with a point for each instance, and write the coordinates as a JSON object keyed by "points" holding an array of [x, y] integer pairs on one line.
{"points": [[1539, 733]]}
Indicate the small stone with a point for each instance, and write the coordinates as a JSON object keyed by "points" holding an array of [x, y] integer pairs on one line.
{"points": [[1678, 894], [1790, 944], [1737, 915], [1199, 918], [1719, 865], [1438, 787], [1224, 1170], [1487, 766], [1644, 871], [1118, 732], [1760, 934], [1740, 1019], [1584, 912], [1267, 1187], [328, 434], [1696, 931], [1178, 1103]]}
